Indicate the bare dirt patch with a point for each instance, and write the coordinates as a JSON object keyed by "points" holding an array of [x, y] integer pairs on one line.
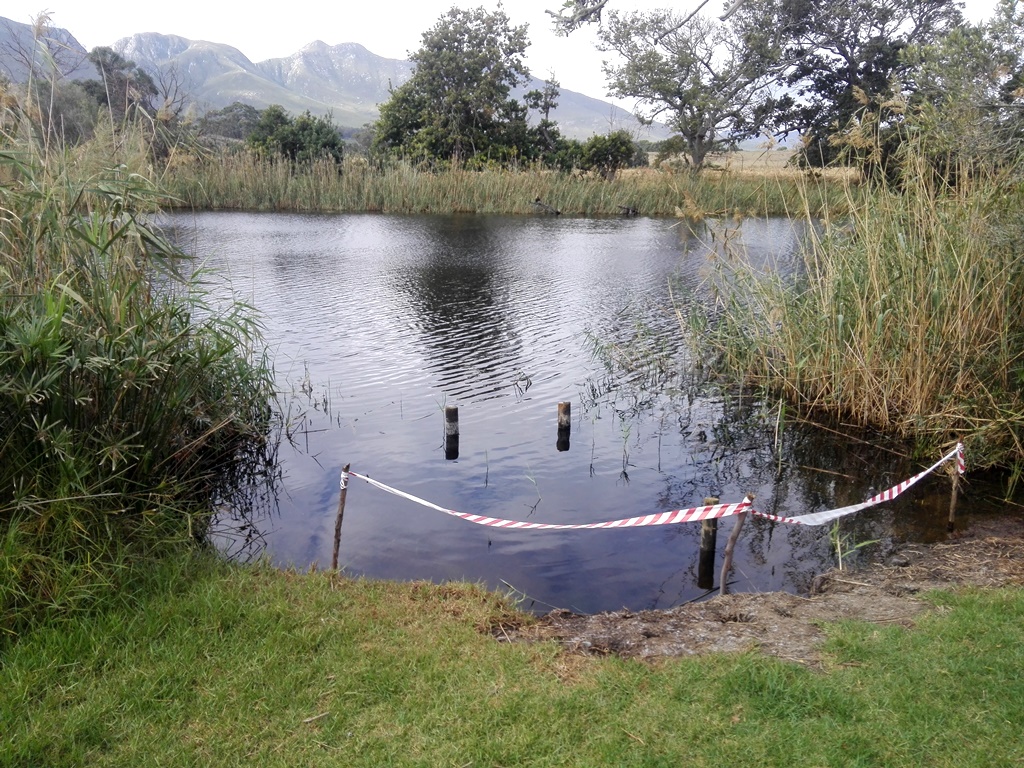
{"points": [[989, 553]]}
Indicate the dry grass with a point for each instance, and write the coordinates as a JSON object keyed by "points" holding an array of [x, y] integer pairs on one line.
{"points": [[243, 182], [907, 319]]}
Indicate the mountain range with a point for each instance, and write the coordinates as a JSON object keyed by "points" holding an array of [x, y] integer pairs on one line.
{"points": [[345, 81]]}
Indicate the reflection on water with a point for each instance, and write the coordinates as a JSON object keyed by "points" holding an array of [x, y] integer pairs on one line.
{"points": [[378, 322]]}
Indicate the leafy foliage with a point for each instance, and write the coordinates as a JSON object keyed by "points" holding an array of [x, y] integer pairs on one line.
{"points": [[303, 139], [850, 56], [235, 121], [456, 106], [709, 81], [124, 397], [607, 154], [123, 88], [968, 90]]}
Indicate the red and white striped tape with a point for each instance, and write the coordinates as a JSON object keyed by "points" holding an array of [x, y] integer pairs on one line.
{"points": [[678, 515], [820, 518], [659, 518]]}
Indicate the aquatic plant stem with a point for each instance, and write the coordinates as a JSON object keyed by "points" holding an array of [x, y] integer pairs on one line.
{"points": [[730, 546]]}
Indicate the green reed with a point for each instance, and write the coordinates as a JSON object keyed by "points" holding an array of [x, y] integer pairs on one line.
{"points": [[242, 181], [907, 318], [123, 395]]}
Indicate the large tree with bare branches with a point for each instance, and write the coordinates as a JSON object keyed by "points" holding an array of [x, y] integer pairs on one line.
{"points": [[840, 57], [709, 81]]}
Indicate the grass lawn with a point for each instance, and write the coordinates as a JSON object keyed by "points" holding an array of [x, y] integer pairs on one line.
{"points": [[212, 664]]}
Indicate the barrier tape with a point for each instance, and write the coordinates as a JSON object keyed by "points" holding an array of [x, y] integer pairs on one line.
{"points": [[659, 518], [820, 518], [678, 515]]}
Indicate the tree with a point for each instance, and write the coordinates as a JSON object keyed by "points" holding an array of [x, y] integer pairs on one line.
{"points": [[607, 154], [710, 81], [967, 94], [457, 105], [849, 56], [544, 102], [303, 139], [842, 56], [235, 121], [123, 88], [576, 13]]}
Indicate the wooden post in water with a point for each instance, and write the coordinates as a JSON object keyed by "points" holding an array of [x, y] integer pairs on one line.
{"points": [[730, 545], [451, 432], [708, 543], [340, 517], [564, 426]]}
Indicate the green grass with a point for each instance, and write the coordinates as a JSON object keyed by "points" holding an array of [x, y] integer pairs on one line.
{"points": [[215, 664]]}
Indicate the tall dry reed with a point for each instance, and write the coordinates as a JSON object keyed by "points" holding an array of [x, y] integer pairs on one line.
{"points": [[242, 181], [907, 318]]}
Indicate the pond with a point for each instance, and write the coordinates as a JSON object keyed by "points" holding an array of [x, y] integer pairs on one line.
{"points": [[376, 323]]}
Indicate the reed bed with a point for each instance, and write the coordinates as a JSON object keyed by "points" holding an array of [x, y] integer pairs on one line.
{"points": [[242, 181], [124, 398], [907, 319]]}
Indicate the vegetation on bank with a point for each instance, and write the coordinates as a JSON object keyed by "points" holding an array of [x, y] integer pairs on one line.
{"points": [[212, 664], [126, 403], [907, 318], [243, 182]]}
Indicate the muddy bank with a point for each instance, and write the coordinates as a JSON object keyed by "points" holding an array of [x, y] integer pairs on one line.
{"points": [[989, 553]]}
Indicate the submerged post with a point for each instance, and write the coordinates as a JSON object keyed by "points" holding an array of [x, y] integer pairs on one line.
{"points": [[451, 432], [564, 426], [341, 516], [729, 547], [708, 543]]}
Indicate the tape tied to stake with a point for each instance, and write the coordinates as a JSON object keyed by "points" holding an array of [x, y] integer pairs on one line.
{"points": [[827, 516], [676, 516]]}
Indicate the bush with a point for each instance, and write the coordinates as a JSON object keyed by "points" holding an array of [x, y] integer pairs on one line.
{"points": [[123, 397]]}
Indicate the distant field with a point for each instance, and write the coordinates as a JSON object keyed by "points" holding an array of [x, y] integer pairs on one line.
{"points": [[763, 162], [755, 159]]}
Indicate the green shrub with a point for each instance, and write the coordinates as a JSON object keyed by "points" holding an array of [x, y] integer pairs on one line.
{"points": [[123, 396]]}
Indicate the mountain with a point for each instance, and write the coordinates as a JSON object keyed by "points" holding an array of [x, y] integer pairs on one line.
{"points": [[346, 81], [18, 49]]}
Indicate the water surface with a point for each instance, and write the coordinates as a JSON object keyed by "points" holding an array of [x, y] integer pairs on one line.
{"points": [[376, 323]]}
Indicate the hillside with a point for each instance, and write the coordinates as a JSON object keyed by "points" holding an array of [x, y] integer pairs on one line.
{"points": [[346, 80]]}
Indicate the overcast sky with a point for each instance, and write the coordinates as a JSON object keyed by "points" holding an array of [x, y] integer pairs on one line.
{"points": [[390, 28]]}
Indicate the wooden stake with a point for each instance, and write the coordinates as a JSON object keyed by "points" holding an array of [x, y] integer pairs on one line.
{"points": [[341, 516], [729, 547], [565, 415], [451, 432], [952, 499], [564, 426], [708, 544]]}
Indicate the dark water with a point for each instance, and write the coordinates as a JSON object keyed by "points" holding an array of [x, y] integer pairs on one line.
{"points": [[377, 322]]}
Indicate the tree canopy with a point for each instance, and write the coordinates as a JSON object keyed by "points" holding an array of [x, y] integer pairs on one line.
{"points": [[709, 81], [850, 56], [301, 139], [457, 104], [123, 87], [816, 67]]}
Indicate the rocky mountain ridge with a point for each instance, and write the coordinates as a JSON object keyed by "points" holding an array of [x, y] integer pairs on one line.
{"points": [[346, 81]]}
